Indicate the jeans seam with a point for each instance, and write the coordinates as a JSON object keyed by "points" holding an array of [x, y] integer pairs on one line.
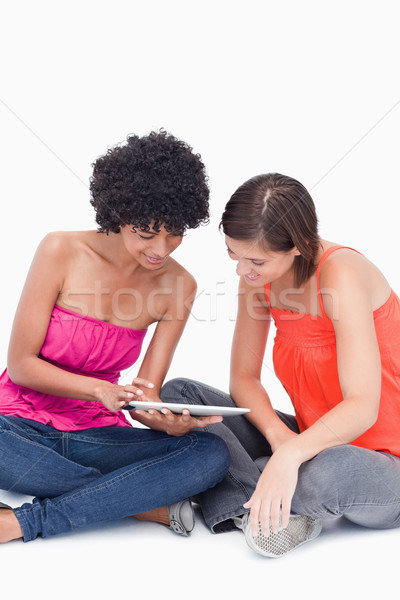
{"points": [[363, 504], [33, 433], [106, 442], [27, 440], [184, 393], [239, 483]]}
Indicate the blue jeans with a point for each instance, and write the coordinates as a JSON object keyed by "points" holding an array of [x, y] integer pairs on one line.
{"points": [[101, 474], [361, 485]]}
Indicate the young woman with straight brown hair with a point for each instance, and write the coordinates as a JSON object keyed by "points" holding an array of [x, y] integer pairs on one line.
{"points": [[337, 354]]}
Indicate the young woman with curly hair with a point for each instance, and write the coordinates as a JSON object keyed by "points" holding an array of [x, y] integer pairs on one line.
{"points": [[337, 354], [87, 302]]}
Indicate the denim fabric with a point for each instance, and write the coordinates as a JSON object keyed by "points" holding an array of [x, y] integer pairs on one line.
{"points": [[361, 485], [101, 474]]}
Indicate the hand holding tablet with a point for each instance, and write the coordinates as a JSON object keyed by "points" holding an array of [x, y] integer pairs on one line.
{"points": [[196, 410]]}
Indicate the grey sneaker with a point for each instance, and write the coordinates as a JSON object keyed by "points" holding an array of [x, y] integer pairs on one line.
{"points": [[181, 517], [301, 529]]}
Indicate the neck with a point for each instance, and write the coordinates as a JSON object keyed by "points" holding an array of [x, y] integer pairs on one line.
{"points": [[114, 251]]}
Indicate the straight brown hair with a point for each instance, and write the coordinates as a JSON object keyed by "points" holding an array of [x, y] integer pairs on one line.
{"points": [[278, 213]]}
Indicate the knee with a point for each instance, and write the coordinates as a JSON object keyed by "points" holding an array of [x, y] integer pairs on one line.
{"points": [[181, 390], [173, 388], [322, 481]]}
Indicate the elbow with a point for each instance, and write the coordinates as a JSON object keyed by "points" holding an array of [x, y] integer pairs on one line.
{"points": [[374, 408], [371, 415], [15, 374], [235, 383], [364, 410], [374, 414], [239, 384]]}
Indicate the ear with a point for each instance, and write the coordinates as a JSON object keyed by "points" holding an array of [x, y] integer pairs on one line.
{"points": [[295, 252]]}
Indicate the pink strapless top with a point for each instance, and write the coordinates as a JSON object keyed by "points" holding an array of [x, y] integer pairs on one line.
{"points": [[81, 345]]}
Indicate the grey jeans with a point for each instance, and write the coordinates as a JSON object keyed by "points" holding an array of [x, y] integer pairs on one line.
{"points": [[361, 485]]}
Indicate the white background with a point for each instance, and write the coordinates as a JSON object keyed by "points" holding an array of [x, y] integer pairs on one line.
{"points": [[306, 88]]}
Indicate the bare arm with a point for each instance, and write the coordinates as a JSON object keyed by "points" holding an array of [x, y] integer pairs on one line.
{"points": [[248, 348], [158, 358], [43, 285], [169, 330]]}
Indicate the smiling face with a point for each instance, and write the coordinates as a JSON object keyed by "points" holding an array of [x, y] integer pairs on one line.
{"points": [[150, 248], [256, 265]]}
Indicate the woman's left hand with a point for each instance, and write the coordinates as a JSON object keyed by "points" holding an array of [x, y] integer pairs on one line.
{"points": [[171, 423], [273, 494]]}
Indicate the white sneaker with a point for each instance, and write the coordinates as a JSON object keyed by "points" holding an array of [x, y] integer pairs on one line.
{"points": [[301, 529]]}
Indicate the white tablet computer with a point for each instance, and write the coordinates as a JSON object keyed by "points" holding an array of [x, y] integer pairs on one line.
{"points": [[196, 410]]}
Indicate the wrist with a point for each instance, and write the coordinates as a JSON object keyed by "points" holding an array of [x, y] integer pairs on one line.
{"points": [[272, 436], [277, 434], [98, 390], [291, 450]]}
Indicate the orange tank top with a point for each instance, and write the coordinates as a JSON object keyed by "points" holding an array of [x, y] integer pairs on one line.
{"points": [[304, 357]]}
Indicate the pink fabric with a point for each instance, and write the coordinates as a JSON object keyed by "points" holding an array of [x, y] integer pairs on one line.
{"points": [[80, 345]]}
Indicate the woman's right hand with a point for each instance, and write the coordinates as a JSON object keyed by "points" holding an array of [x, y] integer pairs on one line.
{"points": [[115, 397]]}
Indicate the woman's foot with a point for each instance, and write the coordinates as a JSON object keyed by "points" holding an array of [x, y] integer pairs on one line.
{"points": [[181, 517], [301, 529], [9, 526], [158, 515], [178, 516]]}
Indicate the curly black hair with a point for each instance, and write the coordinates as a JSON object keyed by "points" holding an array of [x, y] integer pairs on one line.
{"points": [[151, 178]]}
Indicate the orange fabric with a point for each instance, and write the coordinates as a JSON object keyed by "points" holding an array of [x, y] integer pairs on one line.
{"points": [[305, 362]]}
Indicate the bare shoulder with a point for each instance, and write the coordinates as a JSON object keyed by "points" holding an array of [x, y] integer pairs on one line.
{"points": [[345, 262], [63, 244], [347, 272], [177, 289], [64, 240]]}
